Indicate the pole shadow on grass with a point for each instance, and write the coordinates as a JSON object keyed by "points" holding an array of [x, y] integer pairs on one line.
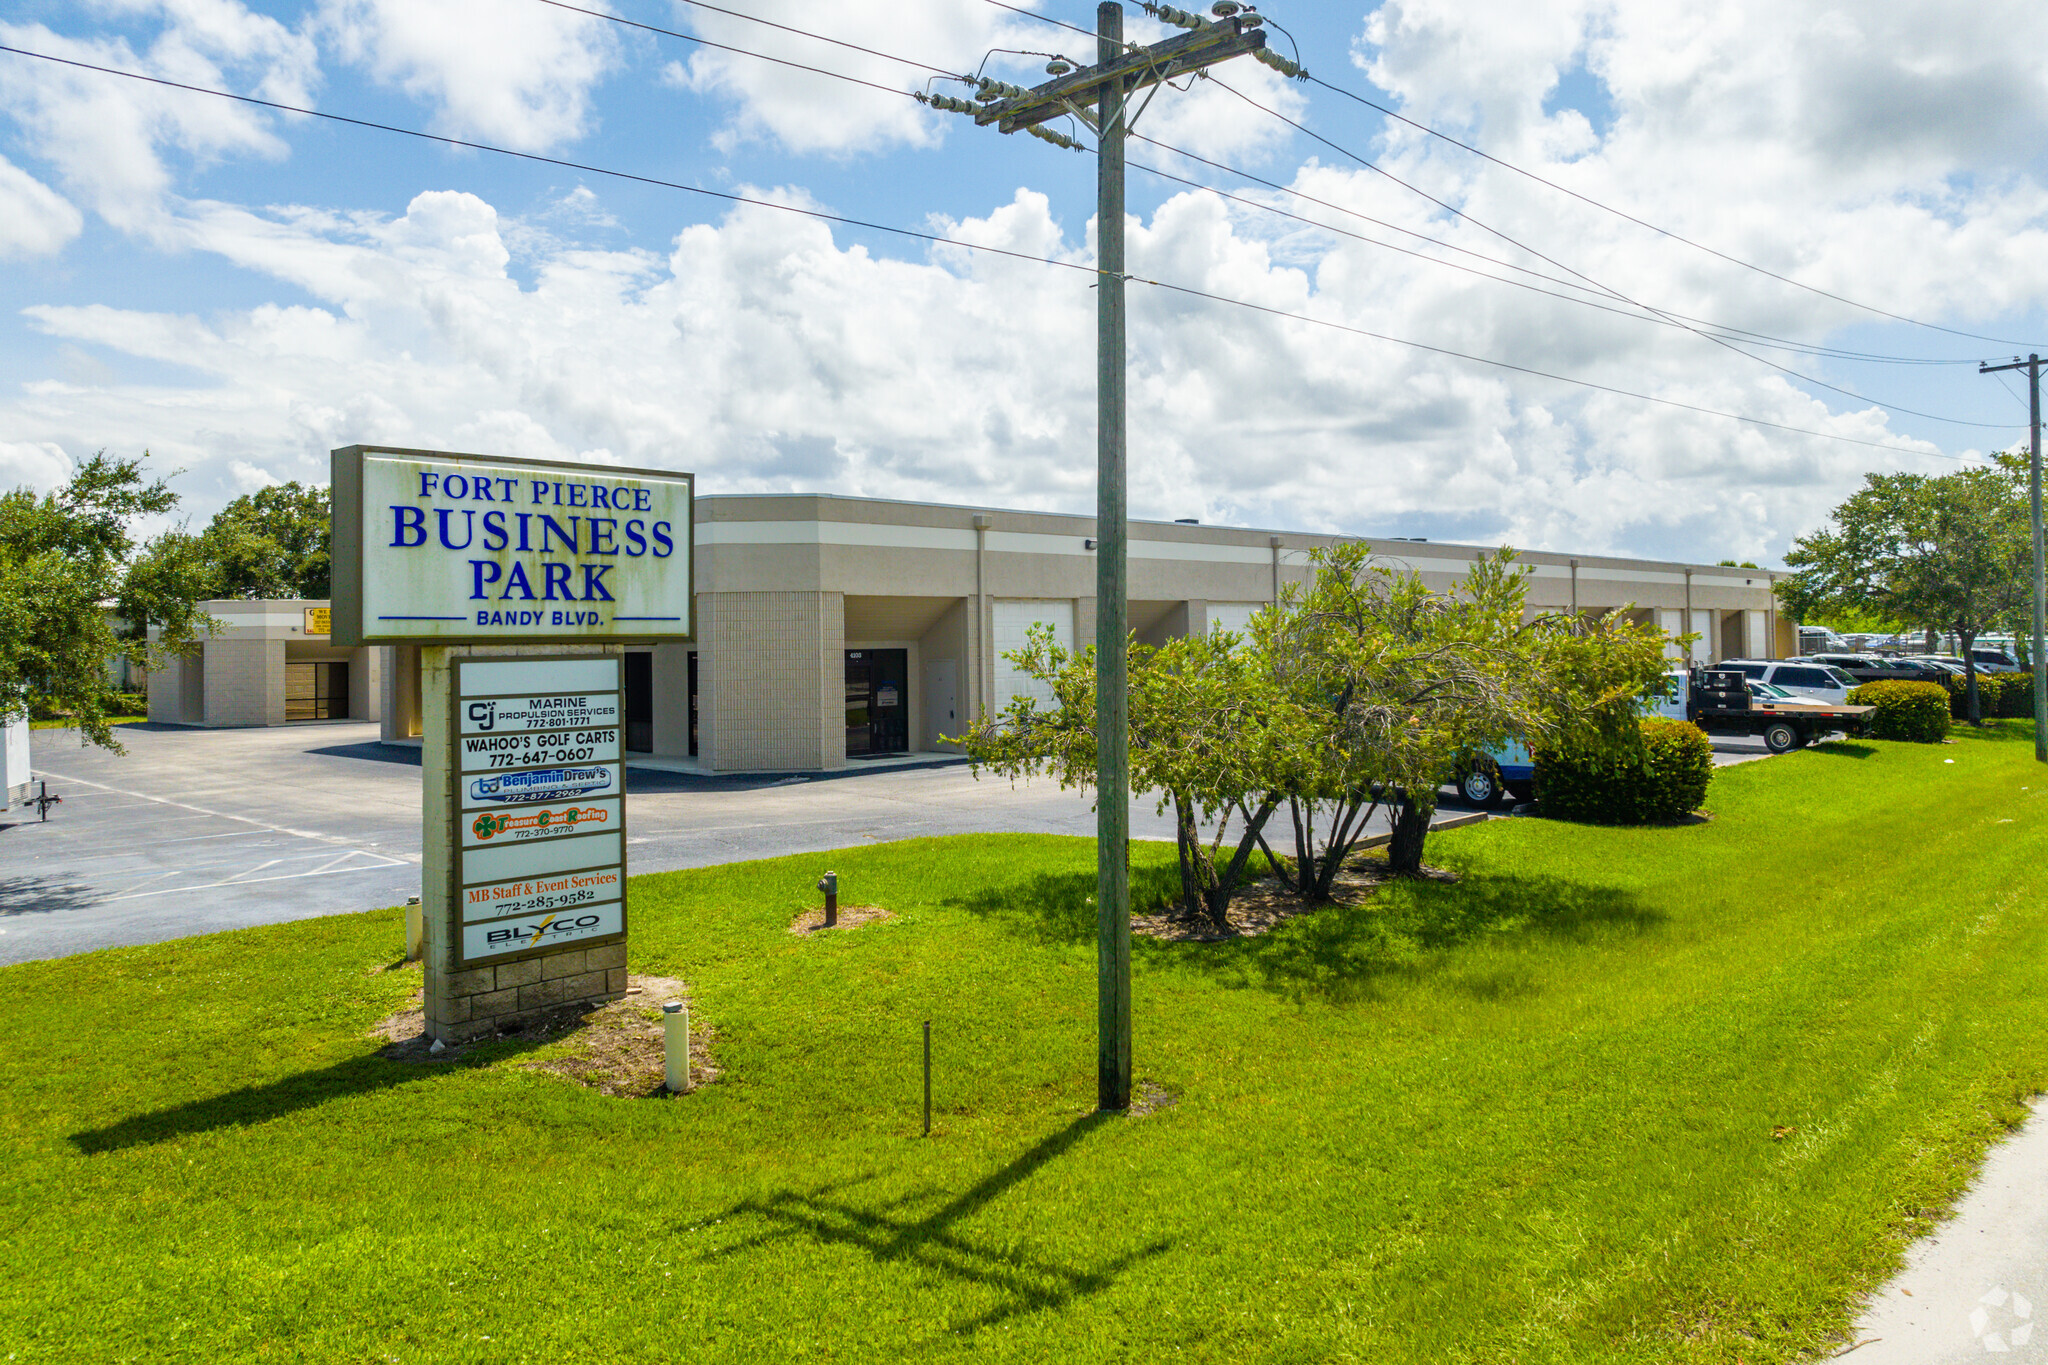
{"points": [[363, 1074], [1023, 1282], [1337, 952]]}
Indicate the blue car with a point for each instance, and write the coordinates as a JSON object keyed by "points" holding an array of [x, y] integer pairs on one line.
{"points": [[1508, 771]]}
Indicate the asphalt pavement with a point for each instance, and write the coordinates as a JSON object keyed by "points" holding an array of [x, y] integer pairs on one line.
{"points": [[193, 831]]}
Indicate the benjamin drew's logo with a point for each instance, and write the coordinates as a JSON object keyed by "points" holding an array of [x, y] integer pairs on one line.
{"points": [[541, 784], [484, 713]]}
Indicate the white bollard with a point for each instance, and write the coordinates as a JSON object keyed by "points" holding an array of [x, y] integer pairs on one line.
{"points": [[415, 929], [675, 1025]]}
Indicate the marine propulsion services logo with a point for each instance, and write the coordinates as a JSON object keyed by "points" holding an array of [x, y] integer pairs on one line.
{"points": [[2002, 1321], [565, 711], [541, 784]]}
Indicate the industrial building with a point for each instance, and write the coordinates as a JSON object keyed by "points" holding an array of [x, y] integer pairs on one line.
{"points": [[833, 630]]}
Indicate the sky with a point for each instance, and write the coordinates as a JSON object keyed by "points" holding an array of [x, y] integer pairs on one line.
{"points": [[238, 290]]}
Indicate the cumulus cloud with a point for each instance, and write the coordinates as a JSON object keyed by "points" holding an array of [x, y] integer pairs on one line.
{"points": [[518, 74], [34, 219], [108, 137], [767, 352]]}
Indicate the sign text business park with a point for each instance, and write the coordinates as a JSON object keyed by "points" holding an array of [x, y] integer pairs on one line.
{"points": [[468, 549]]}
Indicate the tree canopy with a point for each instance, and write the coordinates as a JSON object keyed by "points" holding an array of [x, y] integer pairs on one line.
{"points": [[75, 594], [272, 543], [1947, 552], [1359, 693]]}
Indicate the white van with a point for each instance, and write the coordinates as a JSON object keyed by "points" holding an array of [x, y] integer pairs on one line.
{"points": [[1800, 677]]}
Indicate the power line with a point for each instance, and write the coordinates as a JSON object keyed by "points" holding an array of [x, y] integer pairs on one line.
{"points": [[1608, 208], [936, 239], [1648, 314], [1608, 289], [1524, 369], [770, 23], [723, 47], [1756, 338], [548, 160], [1660, 231]]}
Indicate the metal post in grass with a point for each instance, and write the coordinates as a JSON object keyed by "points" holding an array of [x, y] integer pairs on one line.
{"points": [[927, 1078], [2032, 365]]}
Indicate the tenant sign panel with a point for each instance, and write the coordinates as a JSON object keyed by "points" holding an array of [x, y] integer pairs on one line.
{"points": [[540, 823], [436, 548]]}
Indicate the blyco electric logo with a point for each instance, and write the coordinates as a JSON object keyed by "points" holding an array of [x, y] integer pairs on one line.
{"points": [[541, 784], [534, 933]]}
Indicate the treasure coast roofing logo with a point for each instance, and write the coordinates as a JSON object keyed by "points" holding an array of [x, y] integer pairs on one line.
{"points": [[541, 784], [540, 822]]}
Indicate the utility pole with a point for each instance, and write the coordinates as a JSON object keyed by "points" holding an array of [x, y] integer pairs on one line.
{"points": [[2032, 365], [1099, 97]]}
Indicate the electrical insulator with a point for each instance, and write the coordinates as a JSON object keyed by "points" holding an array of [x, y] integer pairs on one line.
{"points": [[1056, 139], [999, 90], [953, 106], [1168, 14], [1058, 66], [1224, 9], [1280, 63]]}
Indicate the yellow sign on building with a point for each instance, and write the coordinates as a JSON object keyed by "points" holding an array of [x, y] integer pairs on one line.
{"points": [[318, 621]]}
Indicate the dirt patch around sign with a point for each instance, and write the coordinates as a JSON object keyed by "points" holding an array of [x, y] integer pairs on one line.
{"points": [[1262, 904], [850, 917], [1149, 1097], [620, 1048]]}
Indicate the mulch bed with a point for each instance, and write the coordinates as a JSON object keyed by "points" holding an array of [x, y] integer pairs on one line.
{"points": [[621, 1052], [850, 917], [1262, 904]]}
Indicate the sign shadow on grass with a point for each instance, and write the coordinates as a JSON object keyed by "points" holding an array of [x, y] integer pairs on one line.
{"points": [[1023, 1282], [1339, 951], [363, 1074]]}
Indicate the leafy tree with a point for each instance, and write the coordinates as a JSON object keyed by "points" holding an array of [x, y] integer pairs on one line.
{"points": [[1357, 695], [272, 543], [65, 570], [1403, 682], [1946, 552], [1202, 716]]}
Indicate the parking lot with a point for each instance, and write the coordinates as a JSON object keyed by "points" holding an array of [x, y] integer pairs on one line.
{"points": [[194, 831]]}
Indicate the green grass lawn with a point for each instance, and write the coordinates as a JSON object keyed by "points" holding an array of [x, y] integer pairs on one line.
{"points": [[1529, 1117]]}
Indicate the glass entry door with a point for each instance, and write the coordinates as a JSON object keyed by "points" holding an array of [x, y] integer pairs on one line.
{"points": [[315, 692], [877, 702]]}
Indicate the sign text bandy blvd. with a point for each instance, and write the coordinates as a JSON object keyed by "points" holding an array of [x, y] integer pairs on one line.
{"points": [[459, 548], [540, 813]]}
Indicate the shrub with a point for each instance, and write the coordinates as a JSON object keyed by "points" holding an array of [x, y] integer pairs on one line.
{"points": [[1659, 780], [2009, 695], [1917, 712]]}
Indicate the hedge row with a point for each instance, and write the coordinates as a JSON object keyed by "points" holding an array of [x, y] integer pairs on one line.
{"points": [[1913, 711], [1659, 781], [2000, 694]]}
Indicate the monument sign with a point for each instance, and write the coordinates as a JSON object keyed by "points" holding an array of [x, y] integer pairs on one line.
{"points": [[519, 581]]}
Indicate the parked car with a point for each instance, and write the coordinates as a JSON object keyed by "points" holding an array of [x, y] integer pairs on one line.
{"points": [[1994, 661], [1801, 677], [1947, 663], [1508, 771], [1872, 668]]}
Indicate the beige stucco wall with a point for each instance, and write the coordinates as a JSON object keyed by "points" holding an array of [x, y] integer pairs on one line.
{"points": [[771, 680]]}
